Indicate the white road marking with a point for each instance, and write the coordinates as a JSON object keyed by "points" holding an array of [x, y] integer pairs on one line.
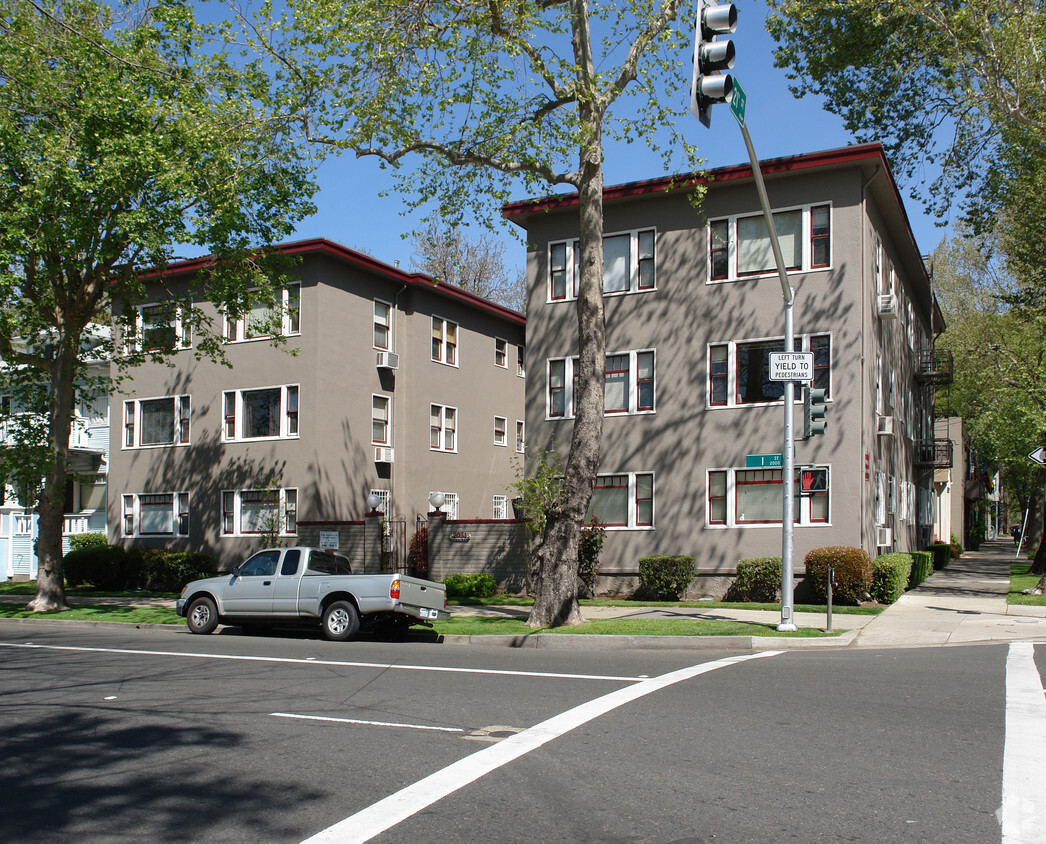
{"points": [[397, 807], [366, 723], [1023, 797], [313, 661]]}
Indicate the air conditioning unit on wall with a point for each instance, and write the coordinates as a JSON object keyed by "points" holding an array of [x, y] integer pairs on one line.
{"points": [[384, 455], [887, 306], [388, 360], [883, 537], [884, 426]]}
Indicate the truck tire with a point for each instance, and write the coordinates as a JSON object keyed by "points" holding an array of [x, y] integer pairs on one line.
{"points": [[340, 621], [202, 616]]}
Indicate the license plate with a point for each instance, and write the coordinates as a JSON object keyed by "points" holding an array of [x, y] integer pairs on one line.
{"points": [[430, 613]]}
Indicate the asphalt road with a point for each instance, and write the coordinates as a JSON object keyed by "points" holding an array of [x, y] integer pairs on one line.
{"points": [[155, 735]]}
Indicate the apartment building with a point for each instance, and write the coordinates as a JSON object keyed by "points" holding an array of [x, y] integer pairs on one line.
{"points": [[693, 434], [398, 387]]}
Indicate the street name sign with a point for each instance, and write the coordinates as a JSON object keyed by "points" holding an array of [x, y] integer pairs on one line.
{"points": [[791, 366], [738, 98], [764, 461], [1039, 455]]}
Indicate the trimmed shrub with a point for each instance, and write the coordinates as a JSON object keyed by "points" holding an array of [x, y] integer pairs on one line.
{"points": [[593, 535], [890, 575], [955, 547], [922, 567], [941, 554], [104, 567], [78, 541], [160, 570], [418, 555], [853, 573], [666, 575], [479, 585], [758, 579]]}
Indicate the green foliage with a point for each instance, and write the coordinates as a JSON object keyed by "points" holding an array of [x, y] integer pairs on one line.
{"points": [[113, 568], [942, 553], [853, 573], [666, 576], [77, 541], [418, 554], [922, 567], [539, 483], [955, 547], [758, 579], [593, 535], [478, 585], [105, 567], [890, 576]]}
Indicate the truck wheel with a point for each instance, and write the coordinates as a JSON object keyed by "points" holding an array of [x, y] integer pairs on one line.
{"points": [[202, 616], [340, 621]]}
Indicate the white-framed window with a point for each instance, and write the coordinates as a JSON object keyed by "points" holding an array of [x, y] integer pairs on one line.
{"points": [[521, 436], [752, 497], [628, 265], [501, 352], [380, 419], [260, 320], [450, 504], [384, 500], [739, 246], [623, 501], [739, 371], [382, 325], [500, 431], [248, 512], [880, 498], [156, 421], [261, 413], [629, 387], [521, 362], [162, 327], [444, 341], [443, 428], [500, 507], [156, 514]]}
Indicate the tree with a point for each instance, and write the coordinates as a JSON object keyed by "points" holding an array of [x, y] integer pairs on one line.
{"points": [[476, 265], [493, 96], [123, 134]]}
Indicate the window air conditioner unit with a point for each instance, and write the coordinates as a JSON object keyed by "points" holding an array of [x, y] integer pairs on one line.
{"points": [[384, 455], [887, 306], [388, 360], [884, 426], [883, 537]]}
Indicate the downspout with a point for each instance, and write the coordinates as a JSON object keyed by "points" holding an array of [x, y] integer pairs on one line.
{"points": [[393, 472], [864, 336]]}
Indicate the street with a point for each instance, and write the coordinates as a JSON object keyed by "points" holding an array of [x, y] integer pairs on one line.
{"points": [[156, 735]]}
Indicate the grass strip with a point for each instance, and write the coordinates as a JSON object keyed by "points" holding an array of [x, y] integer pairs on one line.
{"points": [[98, 612], [1021, 579], [28, 587], [516, 601], [471, 626]]}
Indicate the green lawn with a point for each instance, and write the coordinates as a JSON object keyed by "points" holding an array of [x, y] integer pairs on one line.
{"points": [[1020, 580], [97, 612], [28, 587]]}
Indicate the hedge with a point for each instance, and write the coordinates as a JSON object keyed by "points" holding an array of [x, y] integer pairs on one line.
{"points": [[942, 554], [853, 573], [758, 579], [112, 568], [479, 585], [666, 575], [890, 576], [922, 567]]}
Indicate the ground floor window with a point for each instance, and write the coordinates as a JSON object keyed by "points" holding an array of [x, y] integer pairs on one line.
{"points": [[260, 511], [156, 514], [755, 497], [623, 501]]}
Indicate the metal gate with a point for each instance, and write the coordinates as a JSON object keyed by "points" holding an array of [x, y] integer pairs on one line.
{"points": [[395, 545]]}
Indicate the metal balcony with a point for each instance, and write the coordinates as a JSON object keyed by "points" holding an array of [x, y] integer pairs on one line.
{"points": [[934, 453], [935, 367]]}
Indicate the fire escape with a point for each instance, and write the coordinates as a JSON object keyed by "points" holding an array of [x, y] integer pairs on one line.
{"points": [[934, 369]]}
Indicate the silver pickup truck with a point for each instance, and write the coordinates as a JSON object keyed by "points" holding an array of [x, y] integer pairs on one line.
{"points": [[306, 585]]}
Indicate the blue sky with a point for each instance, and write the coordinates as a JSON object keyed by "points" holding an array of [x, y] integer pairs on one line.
{"points": [[351, 212]]}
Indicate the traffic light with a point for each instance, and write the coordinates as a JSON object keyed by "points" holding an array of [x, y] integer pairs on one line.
{"points": [[813, 411], [708, 86]]}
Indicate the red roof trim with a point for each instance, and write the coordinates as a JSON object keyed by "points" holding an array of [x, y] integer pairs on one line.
{"points": [[323, 246]]}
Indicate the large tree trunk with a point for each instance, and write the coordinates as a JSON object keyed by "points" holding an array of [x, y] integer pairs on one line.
{"points": [[50, 581]]}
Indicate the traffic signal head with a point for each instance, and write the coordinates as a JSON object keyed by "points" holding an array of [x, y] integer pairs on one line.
{"points": [[708, 84], [814, 405]]}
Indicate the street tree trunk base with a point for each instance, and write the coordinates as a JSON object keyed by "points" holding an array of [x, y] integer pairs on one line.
{"points": [[46, 604]]}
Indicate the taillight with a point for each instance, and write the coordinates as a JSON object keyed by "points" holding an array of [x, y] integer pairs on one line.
{"points": [[394, 590]]}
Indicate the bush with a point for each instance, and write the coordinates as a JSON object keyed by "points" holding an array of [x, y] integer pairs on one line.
{"points": [[758, 579], [78, 541], [593, 535], [941, 554], [955, 547], [666, 575], [104, 567], [480, 585], [418, 555], [922, 568], [853, 573], [160, 570], [890, 575]]}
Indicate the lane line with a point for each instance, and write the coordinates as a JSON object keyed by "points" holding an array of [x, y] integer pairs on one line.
{"points": [[386, 813], [338, 663], [1023, 796], [366, 723]]}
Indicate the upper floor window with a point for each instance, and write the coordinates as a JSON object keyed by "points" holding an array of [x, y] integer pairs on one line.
{"points": [[379, 419], [629, 385], [269, 412], [739, 246], [521, 367], [500, 430], [156, 422], [739, 372], [156, 514], [521, 436], [444, 341], [501, 353], [262, 321], [628, 265], [255, 511], [163, 327], [443, 426], [382, 324]]}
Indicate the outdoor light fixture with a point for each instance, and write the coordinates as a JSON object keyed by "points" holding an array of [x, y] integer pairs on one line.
{"points": [[373, 501], [436, 499]]}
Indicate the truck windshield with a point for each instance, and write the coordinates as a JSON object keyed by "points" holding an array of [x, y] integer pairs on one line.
{"points": [[322, 562]]}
